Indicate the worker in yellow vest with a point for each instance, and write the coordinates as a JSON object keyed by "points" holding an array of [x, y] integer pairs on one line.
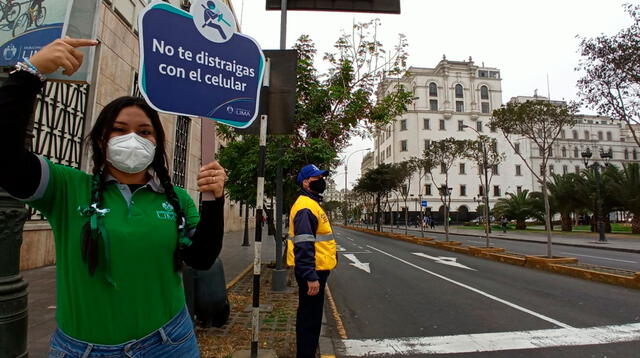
{"points": [[312, 250]]}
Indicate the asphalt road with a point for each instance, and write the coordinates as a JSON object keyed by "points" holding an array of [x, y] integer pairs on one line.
{"points": [[398, 299], [593, 256]]}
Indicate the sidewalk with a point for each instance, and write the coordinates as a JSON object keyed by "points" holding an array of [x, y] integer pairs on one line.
{"points": [[616, 242], [235, 258]]}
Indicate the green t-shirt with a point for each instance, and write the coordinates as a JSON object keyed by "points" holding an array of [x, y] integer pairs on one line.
{"points": [[141, 240]]}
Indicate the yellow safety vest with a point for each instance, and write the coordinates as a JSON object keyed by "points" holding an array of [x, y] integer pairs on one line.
{"points": [[324, 242]]}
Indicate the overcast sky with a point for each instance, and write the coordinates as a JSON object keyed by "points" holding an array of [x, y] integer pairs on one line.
{"points": [[526, 40]]}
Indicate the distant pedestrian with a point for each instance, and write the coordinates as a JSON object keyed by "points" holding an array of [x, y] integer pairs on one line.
{"points": [[432, 222], [503, 224], [311, 248], [122, 233]]}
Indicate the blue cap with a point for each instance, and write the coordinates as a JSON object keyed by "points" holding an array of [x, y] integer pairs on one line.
{"points": [[309, 171]]}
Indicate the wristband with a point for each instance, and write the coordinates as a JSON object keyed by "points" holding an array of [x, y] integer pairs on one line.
{"points": [[27, 66]]}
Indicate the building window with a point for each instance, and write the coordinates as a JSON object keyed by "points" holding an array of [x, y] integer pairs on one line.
{"points": [[609, 136], [427, 189], [479, 126], [463, 190], [442, 125], [427, 144], [626, 153], [484, 92], [494, 169], [635, 155], [426, 123], [550, 152], [403, 145], [586, 135], [443, 168], [433, 89], [485, 107], [517, 148], [565, 170], [433, 104], [551, 170], [575, 152], [577, 169], [480, 191], [459, 106], [496, 190], [180, 151], [460, 126], [459, 92], [403, 124], [519, 189], [564, 152], [562, 134], [388, 150], [540, 152], [575, 134], [518, 170], [600, 136], [462, 169]]}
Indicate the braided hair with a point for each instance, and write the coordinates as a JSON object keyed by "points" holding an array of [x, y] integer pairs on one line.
{"points": [[98, 139]]}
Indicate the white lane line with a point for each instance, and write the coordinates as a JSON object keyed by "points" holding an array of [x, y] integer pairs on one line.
{"points": [[355, 262], [599, 257], [490, 342], [488, 295]]}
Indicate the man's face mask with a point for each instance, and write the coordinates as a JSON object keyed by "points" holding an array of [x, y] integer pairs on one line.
{"points": [[130, 153], [318, 186]]}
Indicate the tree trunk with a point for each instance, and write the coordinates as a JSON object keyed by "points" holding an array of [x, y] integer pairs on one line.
{"points": [[378, 212], [635, 224], [566, 222], [547, 215], [521, 225]]}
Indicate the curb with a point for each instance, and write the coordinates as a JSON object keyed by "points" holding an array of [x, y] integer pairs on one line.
{"points": [[555, 265], [326, 347], [621, 249], [239, 276]]}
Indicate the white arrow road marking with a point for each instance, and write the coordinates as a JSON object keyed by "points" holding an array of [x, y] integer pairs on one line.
{"points": [[340, 248], [473, 289], [491, 342], [356, 263], [451, 261]]}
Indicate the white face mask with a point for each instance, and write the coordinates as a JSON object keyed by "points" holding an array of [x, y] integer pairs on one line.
{"points": [[130, 153]]}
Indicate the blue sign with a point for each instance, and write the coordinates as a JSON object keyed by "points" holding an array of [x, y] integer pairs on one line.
{"points": [[26, 27], [424, 203], [196, 64]]}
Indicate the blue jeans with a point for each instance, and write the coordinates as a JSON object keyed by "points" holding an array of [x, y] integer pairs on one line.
{"points": [[175, 339]]}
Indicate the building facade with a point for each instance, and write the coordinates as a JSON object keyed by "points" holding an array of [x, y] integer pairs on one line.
{"points": [[456, 99]]}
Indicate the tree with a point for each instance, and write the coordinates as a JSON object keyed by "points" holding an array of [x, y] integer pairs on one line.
{"points": [[611, 83], [540, 122], [331, 108], [378, 183], [628, 190], [609, 200], [404, 171], [565, 197], [518, 207], [442, 155], [484, 152], [419, 167], [330, 207]]}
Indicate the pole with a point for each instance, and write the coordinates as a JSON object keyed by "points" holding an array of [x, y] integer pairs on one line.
{"points": [[601, 236], [245, 239], [255, 313], [345, 189], [486, 194], [279, 275]]}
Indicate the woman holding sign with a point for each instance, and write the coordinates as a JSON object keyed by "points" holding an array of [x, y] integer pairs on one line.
{"points": [[121, 233]]}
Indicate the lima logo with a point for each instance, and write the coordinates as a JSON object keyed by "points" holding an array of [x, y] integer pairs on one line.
{"points": [[9, 52], [229, 109], [167, 213]]}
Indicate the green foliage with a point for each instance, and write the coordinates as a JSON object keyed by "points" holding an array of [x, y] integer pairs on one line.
{"points": [[518, 207], [330, 110], [378, 183], [611, 83], [564, 196]]}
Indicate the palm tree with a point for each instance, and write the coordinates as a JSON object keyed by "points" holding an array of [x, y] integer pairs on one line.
{"points": [[564, 197], [627, 189], [518, 207], [609, 200]]}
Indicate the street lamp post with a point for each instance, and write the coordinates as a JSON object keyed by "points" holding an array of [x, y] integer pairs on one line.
{"points": [[586, 155], [346, 164], [485, 187], [445, 192]]}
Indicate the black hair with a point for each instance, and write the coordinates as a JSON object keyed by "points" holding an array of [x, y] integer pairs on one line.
{"points": [[98, 139]]}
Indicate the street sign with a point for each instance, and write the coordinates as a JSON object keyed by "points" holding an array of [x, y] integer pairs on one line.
{"points": [[26, 27], [424, 204], [373, 6], [196, 64]]}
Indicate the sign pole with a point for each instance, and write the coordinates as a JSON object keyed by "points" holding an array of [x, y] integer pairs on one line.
{"points": [[255, 313]]}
